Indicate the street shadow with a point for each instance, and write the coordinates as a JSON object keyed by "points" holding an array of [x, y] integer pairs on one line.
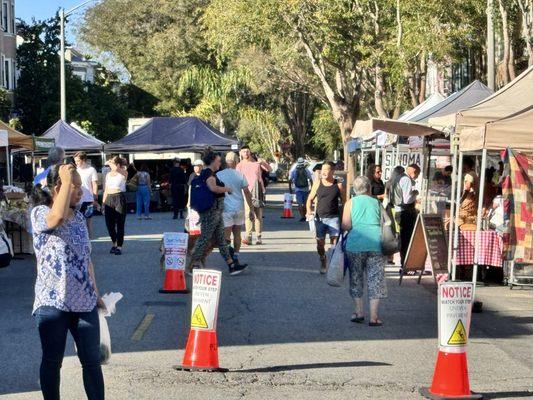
{"points": [[280, 299], [299, 367], [507, 395]]}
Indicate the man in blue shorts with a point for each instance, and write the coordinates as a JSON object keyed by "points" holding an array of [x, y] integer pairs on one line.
{"points": [[300, 177]]}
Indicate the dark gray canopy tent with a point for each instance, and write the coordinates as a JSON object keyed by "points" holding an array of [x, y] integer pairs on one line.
{"points": [[71, 139], [161, 134]]}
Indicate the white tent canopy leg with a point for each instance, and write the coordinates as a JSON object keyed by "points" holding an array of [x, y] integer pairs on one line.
{"points": [[452, 224], [459, 192], [479, 214]]}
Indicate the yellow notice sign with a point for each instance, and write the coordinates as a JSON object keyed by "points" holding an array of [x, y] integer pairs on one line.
{"points": [[198, 319], [458, 336]]}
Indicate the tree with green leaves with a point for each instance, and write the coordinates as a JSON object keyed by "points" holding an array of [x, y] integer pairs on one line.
{"points": [[37, 94]]}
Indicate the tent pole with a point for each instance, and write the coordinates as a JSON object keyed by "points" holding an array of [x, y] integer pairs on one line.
{"points": [[425, 180], [458, 195], [452, 203], [479, 215], [8, 165]]}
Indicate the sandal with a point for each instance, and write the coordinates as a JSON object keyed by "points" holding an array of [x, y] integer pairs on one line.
{"points": [[375, 323], [357, 319]]}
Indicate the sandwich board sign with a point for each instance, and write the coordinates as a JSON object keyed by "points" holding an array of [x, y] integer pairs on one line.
{"points": [[428, 239], [205, 298]]}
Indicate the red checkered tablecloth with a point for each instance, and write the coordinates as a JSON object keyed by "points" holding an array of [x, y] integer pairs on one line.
{"points": [[490, 245]]}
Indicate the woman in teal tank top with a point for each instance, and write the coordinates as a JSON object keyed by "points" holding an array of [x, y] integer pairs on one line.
{"points": [[362, 219]]}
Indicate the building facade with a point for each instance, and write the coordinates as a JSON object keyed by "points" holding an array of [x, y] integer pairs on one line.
{"points": [[8, 46], [81, 67]]}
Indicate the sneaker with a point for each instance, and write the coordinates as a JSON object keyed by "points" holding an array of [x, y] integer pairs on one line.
{"points": [[118, 252], [113, 250], [236, 269], [323, 265], [247, 242], [259, 242], [148, 217]]}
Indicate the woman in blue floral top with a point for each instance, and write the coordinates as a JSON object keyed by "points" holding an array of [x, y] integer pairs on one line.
{"points": [[66, 297]]}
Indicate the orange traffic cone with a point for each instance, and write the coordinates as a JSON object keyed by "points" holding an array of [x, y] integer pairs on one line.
{"points": [[201, 352], [450, 379], [287, 206], [174, 282]]}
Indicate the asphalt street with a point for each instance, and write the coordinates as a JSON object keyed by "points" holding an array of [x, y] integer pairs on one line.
{"points": [[283, 332]]}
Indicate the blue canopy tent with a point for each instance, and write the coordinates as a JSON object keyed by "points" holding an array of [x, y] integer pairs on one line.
{"points": [[162, 134], [71, 139]]}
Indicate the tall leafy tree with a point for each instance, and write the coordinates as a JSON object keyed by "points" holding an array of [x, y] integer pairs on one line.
{"points": [[37, 95]]}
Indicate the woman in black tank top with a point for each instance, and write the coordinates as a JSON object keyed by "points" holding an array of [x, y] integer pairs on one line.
{"points": [[327, 198]]}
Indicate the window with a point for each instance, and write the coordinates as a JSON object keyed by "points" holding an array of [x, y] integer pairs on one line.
{"points": [[13, 24], [14, 74], [4, 16], [7, 74]]}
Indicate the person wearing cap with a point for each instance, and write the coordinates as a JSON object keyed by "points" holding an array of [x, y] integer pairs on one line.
{"points": [[300, 177], [56, 156]]}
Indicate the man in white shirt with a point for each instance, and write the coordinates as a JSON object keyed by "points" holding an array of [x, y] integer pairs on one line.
{"points": [[404, 201], [234, 214], [89, 186]]}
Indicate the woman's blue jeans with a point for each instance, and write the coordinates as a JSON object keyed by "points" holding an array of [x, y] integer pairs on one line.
{"points": [[143, 199], [53, 326]]}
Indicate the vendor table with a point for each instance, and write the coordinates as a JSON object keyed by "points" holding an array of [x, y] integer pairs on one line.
{"points": [[490, 248]]}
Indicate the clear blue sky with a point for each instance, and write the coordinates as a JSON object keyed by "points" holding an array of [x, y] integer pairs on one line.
{"points": [[44, 9], [41, 9]]}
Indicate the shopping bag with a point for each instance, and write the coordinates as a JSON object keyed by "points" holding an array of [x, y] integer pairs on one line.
{"points": [[105, 338], [110, 300], [389, 239], [335, 273]]}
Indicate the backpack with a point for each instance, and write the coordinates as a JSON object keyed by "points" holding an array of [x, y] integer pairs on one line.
{"points": [[202, 199], [302, 180], [6, 250]]}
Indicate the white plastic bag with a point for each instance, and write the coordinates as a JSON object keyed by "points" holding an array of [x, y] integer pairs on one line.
{"points": [[105, 338], [335, 273], [110, 300]]}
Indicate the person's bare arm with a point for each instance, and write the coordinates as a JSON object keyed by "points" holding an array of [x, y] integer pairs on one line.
{"points": [[95, 191], [265, 166], [346, 223], [342, 188], [248, 197], [123, 171], [212, 185], [61, 207], [311, 198]]}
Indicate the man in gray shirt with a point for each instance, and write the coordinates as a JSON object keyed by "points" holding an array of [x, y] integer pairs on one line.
{"points": [[404, 199]]}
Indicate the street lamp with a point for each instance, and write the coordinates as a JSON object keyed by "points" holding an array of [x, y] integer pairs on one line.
{"points": [[62, 15]]}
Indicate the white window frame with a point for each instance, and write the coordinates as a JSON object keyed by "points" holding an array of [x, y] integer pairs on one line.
{"points": [[13, 74], [12, 20], [8, 83], [5, 18]]}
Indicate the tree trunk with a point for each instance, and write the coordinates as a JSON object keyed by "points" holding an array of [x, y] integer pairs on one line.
{"points": [[422, 80], [526, 11], [379, 92], [504, 66], [298, 111]]}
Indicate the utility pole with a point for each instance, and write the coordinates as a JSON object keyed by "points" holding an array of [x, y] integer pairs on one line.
{"points": [[63, 95], [490, 45], [62, 65]]}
